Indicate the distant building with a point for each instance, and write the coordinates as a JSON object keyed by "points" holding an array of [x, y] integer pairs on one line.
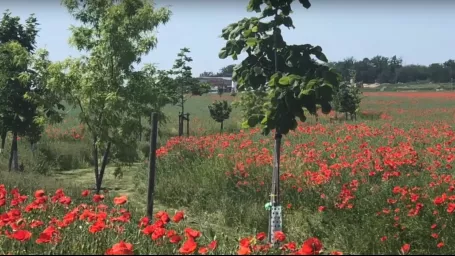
{"points": [[218, 82]]}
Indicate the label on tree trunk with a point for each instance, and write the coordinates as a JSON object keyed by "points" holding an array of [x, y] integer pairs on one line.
{"points": [[276, 221]]}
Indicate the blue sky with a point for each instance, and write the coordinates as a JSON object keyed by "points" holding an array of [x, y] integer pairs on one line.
{"points": [[421, 32]]}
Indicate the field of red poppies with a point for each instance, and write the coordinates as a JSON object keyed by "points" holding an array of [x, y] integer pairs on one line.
{"points": [[381, 185]]}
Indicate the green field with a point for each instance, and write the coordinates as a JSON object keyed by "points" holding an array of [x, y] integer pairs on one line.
{"points": [[363, 187]]}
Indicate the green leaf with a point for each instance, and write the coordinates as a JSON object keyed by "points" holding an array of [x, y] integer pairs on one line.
{"points": [[254, 29], [305, 3], [285, 80], [251, 41], [317, 51], [246, 33], [306, 92], [223, 54]]}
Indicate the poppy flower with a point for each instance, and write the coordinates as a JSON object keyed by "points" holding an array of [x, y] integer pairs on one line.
{"points": [[21, 235], [120, 248], [65, 200], [405, 248], [97, 227], [36, 223], [188, 247], [279, 236], [120, 200], [203, 250], [192, 233], [336, 253], [243, 250], [158, 233], [212, 246], [98, 198], [85, 193], [39, 193], [311, 246], [261, 236], [175, 239], [245, 242], [164, 217], [178, 217], [291, 246]]}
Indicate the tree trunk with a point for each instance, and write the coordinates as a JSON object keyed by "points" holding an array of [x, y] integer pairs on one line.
{"points": [[14, 157], [140, 129], [222, 122], [180, 124], [95, 159], [103, 168], [3, 141]]}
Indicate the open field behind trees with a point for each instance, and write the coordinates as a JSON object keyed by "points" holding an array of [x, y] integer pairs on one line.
{"points": [[367, 187]]}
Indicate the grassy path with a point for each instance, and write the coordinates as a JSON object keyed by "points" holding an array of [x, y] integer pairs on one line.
{"points": [[84, 178], [125, 185]]}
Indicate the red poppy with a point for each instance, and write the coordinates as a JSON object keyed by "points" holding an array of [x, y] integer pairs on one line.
{"points": [[50, 234], [188, 247], [98, 198], [65, 200], [36, 223], [97, 227], [85, 193], [175, 239], [39, 193], [164, 217], [311, 246], [279, 236], [405, 248], [158, 233], [261, 236], [192, 233], [244, 250], [120, 248], [212, 246], [440, 245], [21, 235], [203, 250], [120, 200], [144, 221], [291, 246], [178, 217], [336, 253]]}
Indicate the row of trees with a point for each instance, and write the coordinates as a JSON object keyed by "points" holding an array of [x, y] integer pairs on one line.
{"points": [[112, 97], [380, 69]]}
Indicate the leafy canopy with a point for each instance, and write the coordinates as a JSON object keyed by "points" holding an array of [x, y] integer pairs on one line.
{"points": [[220, 111], [102, 83], [292, 78]]}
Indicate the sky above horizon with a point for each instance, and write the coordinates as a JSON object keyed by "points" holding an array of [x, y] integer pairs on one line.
{"points": [[420, 33]]}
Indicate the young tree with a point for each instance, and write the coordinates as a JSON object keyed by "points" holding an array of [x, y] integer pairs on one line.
{"points": [[184, 79], [152, 89], [24, 105], [186, 82], [288, 73], [220, 111], [347, 98], [114, 35]]}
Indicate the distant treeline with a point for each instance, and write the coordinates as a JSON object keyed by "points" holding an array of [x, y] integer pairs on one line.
{"points": [[380, 69]]}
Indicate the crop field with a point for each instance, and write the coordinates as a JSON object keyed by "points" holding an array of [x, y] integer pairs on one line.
{"points": [[381, 185]]}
